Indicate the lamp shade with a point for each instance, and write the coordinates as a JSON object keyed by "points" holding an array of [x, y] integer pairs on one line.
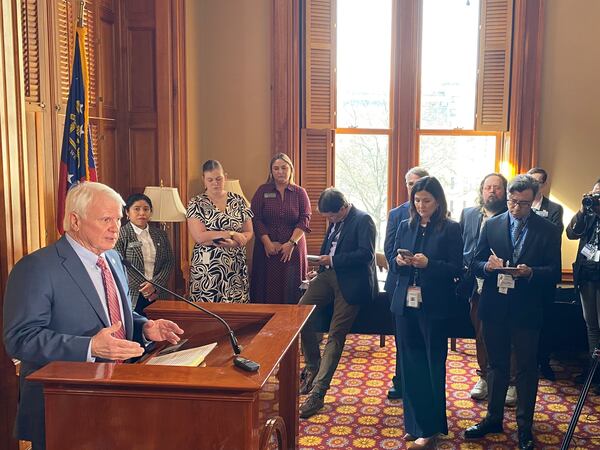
{"points": [[234, 186], [166, 204]]}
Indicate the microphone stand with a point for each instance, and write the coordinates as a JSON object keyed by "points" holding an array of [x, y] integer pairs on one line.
{"points": [[232, 339], [579, 406]]}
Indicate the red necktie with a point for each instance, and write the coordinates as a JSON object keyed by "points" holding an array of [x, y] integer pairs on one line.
{"points": [[112, 299]]}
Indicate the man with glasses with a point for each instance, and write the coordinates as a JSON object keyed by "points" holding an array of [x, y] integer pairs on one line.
{"points": [[553, 212], [518, 256], [396, 216]]}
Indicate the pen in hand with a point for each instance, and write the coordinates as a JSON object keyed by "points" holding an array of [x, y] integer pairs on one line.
{"points": [[494, 253]]}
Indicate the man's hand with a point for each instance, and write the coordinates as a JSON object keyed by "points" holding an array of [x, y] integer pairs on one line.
{"points": [[162, 330], [493, 263], [523, 271], [310, 275], [104, 345], [404, 260], [325, 260]]}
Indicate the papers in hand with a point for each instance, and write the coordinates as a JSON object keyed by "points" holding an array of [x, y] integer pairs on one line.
{"points": [[191, 357]]}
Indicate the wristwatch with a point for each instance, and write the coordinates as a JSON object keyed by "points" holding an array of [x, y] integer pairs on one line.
{"points": [[231, 234], [293, 242]]}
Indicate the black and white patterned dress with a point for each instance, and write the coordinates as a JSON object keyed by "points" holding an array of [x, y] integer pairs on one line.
{"points": [[219, 274]]}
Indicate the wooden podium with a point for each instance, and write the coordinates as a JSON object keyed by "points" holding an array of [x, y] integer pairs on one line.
{"points": [[219, 406]]}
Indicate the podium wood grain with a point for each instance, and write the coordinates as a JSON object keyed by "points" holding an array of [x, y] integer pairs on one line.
{"points": [[219, 406]]}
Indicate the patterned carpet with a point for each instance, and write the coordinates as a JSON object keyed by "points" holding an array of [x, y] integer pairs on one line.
{"points": [[358, 415]]}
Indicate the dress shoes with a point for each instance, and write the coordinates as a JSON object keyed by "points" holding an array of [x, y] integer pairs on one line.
{"points": [[312, 405], [526, 441], [394, 393], [409, 437], [306, 381], [482, 428]]}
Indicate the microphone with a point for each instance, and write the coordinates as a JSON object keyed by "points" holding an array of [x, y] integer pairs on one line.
{"points": [[234, 343]]}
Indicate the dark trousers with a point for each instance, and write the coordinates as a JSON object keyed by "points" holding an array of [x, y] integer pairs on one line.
{"points": [[423, 351], [480, 350], [397, 378], [323, 290], [499, 338], [545, 344]]}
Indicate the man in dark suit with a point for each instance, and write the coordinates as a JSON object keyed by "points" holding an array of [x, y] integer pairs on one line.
{"points": [[553, 212], [492, 201], [511, 304], [347, 278], [396, 216], [69, 302]]}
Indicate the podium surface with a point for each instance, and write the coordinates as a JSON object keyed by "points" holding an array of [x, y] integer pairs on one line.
{"points": [[217, 406]]}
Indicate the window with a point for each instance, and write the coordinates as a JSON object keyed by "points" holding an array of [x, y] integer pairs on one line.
{"points": [[446, 138], [363, 105]]}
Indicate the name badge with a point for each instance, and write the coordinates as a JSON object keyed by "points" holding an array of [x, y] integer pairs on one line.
{"points": [[479, 285], [134, 244], [589, 251], [269, 195], [505, 282], [541, 212], [413, 297]]}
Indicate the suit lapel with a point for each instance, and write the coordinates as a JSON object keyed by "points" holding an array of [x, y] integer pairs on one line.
{"points": [[80, 276], [530, 236], [346, 225], [506, 249]]}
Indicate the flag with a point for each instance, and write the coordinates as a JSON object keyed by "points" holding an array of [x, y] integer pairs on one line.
{"points": [[76, 158]]}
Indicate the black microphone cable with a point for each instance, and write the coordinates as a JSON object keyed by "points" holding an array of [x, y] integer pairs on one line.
{"points": [[234, 343]]}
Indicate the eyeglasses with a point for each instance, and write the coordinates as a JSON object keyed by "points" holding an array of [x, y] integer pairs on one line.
{"points": [[521, 204]]}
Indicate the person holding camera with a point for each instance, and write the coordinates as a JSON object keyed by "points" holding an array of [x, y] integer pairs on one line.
{"points": [[585, 227]]}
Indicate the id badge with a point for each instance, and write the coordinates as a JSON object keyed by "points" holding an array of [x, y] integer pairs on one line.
{"points": [[413, 297], [205, 257], [270, 195], [589, 251], [542, 212], [505, 281], [479, 285]]}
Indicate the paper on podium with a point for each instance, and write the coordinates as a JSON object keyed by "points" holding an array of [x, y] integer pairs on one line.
{"points": [[191, 357]]}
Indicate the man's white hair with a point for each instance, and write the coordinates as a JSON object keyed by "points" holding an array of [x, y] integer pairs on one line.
{"points": [[79, 199]]}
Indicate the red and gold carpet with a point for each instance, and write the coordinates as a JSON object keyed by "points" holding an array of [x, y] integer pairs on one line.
{"points": [[357, 414]]}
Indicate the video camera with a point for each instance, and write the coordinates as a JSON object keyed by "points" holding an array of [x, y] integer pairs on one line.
{"points": [[590, 201]]}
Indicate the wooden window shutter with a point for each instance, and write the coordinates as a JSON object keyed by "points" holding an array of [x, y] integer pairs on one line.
{"points": [[317, 138], [493, 80], [31, 50], [65, 35], [90, 21]]}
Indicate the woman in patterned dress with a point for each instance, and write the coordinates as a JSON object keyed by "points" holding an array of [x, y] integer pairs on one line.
{"points": [[220, 223], [281, 217]]}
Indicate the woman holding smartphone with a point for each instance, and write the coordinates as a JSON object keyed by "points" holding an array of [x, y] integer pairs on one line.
{"points": [[428, 259], [220, 223]]}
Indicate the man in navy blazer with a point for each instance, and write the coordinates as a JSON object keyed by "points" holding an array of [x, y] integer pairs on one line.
{"points": [[347, 278], [395, 217], [511, 304], [58, 302]]}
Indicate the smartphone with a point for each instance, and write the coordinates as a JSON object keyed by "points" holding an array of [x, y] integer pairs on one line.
{"points": [[405, 253], [218, 240]]}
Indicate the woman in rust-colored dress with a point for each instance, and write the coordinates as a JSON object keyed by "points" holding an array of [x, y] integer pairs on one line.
{"points": [[281, 217]]}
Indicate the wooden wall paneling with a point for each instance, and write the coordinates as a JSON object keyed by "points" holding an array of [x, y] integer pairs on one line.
{"points": [[525, 83], [285, 73], [13, 187], [405, 90]]}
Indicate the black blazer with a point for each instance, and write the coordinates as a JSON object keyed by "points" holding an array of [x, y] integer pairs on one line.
{"points": [[581, 227], [522, 305], [553, 213], [354, 258], [443, 248]]}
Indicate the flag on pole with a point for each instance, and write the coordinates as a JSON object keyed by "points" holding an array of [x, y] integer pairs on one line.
{"points": [[76, 159]]}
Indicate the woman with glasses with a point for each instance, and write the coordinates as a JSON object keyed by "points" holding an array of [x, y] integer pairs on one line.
{"points": [[429, 250], [220, 223]]}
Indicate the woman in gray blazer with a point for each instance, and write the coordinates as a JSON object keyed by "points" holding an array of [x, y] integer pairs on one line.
{"points": [[147, 248]]}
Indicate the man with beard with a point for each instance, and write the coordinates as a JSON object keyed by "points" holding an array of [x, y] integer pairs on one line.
{"points": [[492, 201]]}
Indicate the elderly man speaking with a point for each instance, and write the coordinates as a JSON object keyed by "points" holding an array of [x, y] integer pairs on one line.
{"points": [[68, 302]]}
